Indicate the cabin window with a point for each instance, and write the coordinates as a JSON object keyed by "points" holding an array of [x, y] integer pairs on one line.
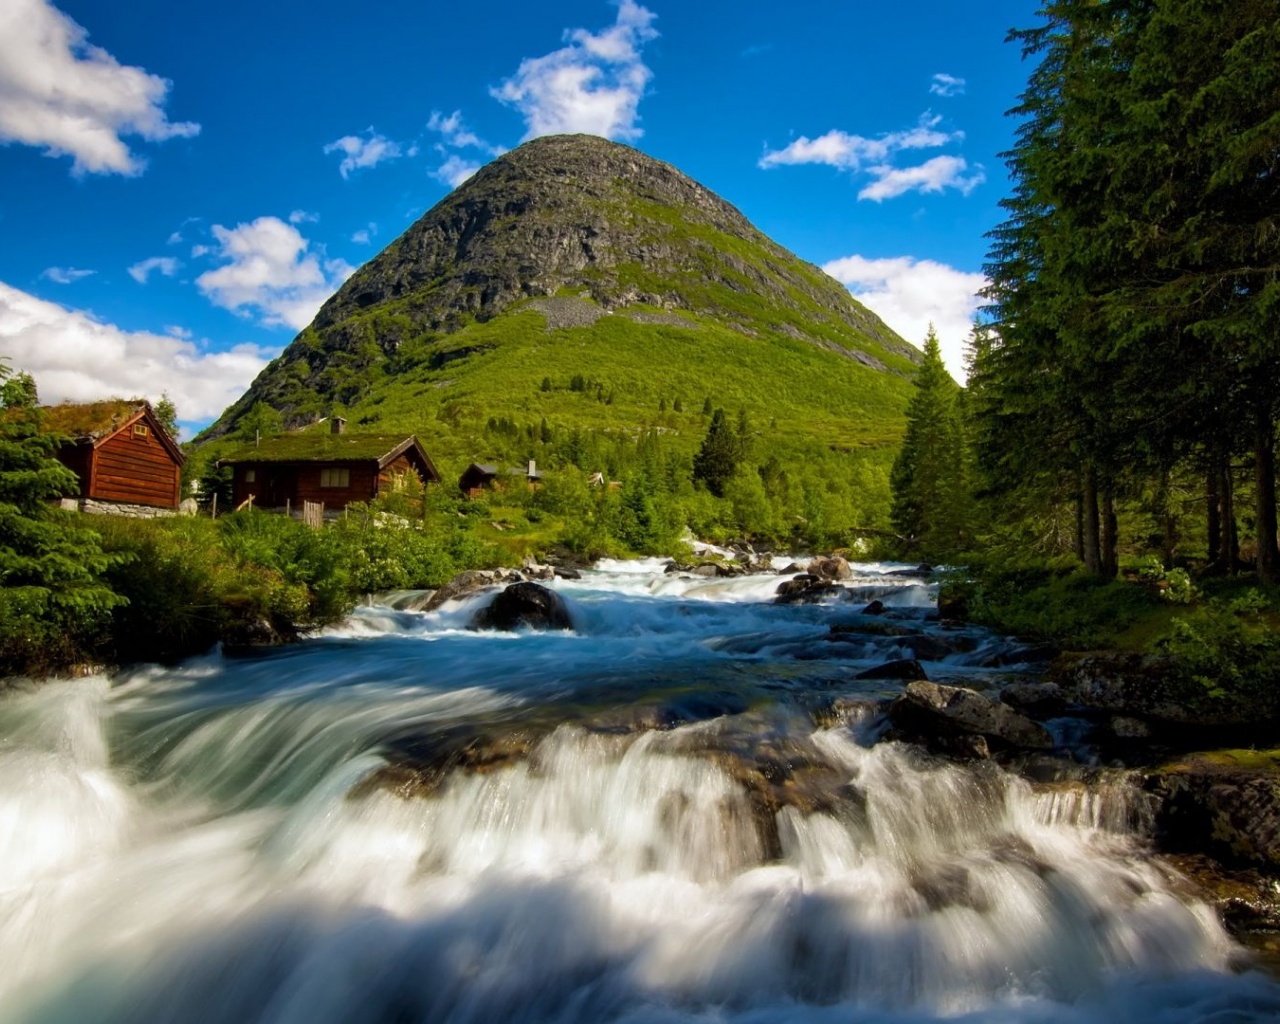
{"points": [[250, 476], [335, 478], [140, 430]]}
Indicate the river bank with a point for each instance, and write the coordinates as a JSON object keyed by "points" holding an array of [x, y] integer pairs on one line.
{"points": [[689, 805]]}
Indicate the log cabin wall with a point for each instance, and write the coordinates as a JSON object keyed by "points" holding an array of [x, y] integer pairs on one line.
{"points": [[133, 466], [362, 478], [395, 472]]}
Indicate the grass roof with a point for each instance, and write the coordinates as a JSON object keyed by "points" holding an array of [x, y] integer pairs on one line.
{"points": [[319, 447], [89, 419]]}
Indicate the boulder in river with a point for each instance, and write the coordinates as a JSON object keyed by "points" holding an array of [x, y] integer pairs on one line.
{"points": [[1040, 698], [831, 568], [929, 710], [1225, 804], [899, 668], [530, 605], [874, 608]]}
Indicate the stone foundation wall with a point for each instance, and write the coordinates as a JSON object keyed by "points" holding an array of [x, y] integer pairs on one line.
{"points": [[94, 507]]}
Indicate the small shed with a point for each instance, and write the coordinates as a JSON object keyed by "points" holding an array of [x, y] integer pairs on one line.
{"points": [[477, 478], [333, 468], [119, 452]]}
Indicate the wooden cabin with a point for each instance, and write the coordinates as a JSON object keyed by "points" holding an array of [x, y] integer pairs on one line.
{"points": [[119, 452], [479, 477], [330, 467]]}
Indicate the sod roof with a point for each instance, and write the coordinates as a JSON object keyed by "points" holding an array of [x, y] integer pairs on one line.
{"points": [[89, 419], [322, 447]]}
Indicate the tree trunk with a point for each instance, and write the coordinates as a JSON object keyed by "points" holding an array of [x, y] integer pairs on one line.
{"points": [[1079, 537], [1110, 558], [1089, 536], [1213, 502], [1264, 473], [1166, 521], [1230, 536]]}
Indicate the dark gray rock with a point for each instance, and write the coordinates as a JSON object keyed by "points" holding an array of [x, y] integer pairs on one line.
{"points": [[930, 710], [815, 593], [901, 668], [1041, 699], [528, 605], [874, 608]]}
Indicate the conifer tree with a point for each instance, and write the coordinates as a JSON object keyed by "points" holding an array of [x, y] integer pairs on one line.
{"points": [[718, 457], [51, 593], [927, 480]]}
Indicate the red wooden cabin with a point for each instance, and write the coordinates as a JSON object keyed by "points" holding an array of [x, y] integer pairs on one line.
{"points": [[119, 451], [331, 467]]}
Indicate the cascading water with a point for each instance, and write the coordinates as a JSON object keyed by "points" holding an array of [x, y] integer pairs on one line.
{"points": [[642, 821]]}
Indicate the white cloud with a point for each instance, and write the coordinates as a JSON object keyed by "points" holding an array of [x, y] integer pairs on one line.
{"points": [[175, 331], [853, 152], [455, 170], [269, 269], [936, 175], [909, 294], [303, 217], [360, 152], [455, 132], [175, 238], [59, 92], [593, 85], [946, 85], [200, 250], [65, 275], [75, 357], [365, 235], [166, 265]]}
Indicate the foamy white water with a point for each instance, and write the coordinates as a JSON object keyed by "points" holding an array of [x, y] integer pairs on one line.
{"points": [[406, 821]]}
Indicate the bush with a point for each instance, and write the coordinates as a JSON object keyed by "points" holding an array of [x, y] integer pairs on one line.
{"points": [[1228, 647]]}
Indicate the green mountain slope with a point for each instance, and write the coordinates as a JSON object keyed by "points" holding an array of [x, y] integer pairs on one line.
{"points": [[578, 281]]}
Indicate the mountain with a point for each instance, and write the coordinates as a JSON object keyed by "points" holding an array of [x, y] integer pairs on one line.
{"points": [[580, 281]]}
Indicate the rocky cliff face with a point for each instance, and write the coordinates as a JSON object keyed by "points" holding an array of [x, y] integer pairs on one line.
{"points": [[565, 216]]}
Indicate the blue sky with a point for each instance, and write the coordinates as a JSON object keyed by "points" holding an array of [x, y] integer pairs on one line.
{"points": [[182, 185]]}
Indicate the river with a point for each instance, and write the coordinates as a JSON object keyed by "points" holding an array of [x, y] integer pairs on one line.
{"points": [[682, 811]]}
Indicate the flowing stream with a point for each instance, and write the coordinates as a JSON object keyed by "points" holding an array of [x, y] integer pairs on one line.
{"points": [[685, 810]]}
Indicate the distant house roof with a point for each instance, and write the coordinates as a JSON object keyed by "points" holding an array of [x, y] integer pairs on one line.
{"points": [[94, 422], [314, 446], [484, 468]]}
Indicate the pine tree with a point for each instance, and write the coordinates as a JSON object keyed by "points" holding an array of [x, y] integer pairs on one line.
{"points": [[717, 458], [51, 593], [167, 413], [927, 479]]}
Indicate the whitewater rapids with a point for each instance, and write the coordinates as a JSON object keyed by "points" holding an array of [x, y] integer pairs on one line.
{"points": [[267, 839]]}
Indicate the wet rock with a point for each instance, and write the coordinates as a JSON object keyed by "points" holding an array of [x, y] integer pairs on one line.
{"points": [[930, 710], [953, 603], [1226, 805], [1129, 728], [1247, 900], [794, 567], [565, 573], [528, 605], [900, 668], [874, 608], [922, 571], [420, 763], [931, 647], [831, 568], [872, 627], [1147, 687], [1040, 699], [465, 584], [794, 586], [244, 636]]}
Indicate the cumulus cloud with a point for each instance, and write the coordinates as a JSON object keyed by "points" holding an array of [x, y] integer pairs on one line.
{"points": [[852, 152], [936, 175], [177, 331], [594, 84], [455, 170], [365, 235], [859, 154], [65, 275], [946, 85], [269, 269], [165, 265], [71, 98], [359, 152], [76, 357], [909, 294], [303, 217]]}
